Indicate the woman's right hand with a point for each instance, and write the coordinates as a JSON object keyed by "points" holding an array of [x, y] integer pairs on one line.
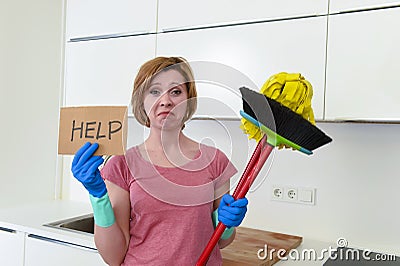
{"points": [[85, 168]]}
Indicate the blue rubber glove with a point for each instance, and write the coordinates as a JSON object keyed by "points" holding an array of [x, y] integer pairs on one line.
{"points": [[85, 168], [231, 212]]}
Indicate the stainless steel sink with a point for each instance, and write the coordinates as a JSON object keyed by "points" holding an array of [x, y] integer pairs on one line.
{"points": [[81, 224]]}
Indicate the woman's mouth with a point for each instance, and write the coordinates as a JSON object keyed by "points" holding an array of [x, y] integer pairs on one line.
{"points": [[164, 114]]}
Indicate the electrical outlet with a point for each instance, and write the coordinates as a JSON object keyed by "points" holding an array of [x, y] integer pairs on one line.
{"points": [[301, 195], [277, 192], [291, 194]]}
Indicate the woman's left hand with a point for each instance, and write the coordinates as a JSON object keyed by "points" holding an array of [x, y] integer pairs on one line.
{"points": [[230, 211]]}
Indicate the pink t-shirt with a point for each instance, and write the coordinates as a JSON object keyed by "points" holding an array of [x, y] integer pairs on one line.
{"points": [[171, 207]]}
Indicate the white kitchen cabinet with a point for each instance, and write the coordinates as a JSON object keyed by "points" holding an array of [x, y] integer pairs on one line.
{"points": [[103, 17], [40, 251], [252, 51], [11, 247], [336, 6], [363, 65], [178, 14], [102, 72]]}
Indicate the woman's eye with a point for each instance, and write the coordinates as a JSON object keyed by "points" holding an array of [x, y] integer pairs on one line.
{"points": [[176, 92], [154, 92]]}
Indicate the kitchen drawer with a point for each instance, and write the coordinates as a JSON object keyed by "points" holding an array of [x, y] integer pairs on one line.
{"points": [[43, 251], [11, 247]]}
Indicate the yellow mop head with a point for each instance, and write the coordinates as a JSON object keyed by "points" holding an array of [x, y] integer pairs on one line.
{"points": [[291, 90]]}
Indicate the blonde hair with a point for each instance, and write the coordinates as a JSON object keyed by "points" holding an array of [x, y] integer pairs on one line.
{"points": [[144, 77]]}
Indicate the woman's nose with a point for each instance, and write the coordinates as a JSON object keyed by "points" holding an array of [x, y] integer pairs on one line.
{"points": [[165, 100]]}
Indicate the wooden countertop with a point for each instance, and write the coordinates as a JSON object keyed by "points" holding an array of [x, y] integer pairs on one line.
{"points": [[249, 245]]}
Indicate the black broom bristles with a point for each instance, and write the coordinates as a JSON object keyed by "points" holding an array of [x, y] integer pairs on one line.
{"points": [[282, 120]]}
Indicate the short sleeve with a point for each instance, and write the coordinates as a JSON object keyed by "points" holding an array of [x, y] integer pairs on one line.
{"points": [[116, 171], [223, 169]]}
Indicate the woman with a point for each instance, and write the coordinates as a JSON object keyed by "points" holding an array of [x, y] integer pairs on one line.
{"points": [[158, 204]]}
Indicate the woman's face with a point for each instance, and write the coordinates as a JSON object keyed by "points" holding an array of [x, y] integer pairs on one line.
{"points": [[165, 101]]}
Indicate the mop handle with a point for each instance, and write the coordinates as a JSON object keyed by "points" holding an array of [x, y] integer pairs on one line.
{"points": [[252, 169], [250, 165], [245, 187]]}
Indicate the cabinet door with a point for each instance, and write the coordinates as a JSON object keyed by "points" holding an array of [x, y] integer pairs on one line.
{"points": [[101, 72], [99, 17], [41, 251], [11, 247], [174, 14], [256, 51], [347, 5], [363, 65]]}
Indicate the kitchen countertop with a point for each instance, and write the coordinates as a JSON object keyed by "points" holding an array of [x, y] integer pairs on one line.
{"points": [[30, 218]]}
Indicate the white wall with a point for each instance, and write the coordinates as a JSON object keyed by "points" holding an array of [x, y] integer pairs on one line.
{"points": [[355, 176], [31, 46]]}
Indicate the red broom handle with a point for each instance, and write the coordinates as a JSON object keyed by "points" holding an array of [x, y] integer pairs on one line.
{"points": [[219, 230], [250, 165], [252, 169], [253, 174]]}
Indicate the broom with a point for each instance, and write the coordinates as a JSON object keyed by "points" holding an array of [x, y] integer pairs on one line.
{"points": [[290, 129], [281, 124]]}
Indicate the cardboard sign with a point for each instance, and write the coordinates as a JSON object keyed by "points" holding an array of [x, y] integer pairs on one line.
{"points": [[106, 125]]}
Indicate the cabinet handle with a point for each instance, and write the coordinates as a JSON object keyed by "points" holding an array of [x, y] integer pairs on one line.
{"points": [[8, 230], [238, 23], [63, 243], [109, 36]]}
